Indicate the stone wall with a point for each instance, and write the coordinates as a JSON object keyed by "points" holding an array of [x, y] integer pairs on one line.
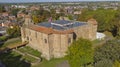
{"points": [[60, 44], [55, 46], [87, 31]]}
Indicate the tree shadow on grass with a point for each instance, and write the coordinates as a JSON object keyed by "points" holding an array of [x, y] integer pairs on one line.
{"points": [[13, 60], [1, 43]]}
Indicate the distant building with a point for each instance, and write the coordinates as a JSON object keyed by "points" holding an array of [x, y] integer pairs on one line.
{"points": [[53, 38], [5, 14], [20, 15], [77, 12], [18, 6]]}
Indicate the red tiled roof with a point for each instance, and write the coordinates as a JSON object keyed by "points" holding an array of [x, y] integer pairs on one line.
{"points": [[49, 30]]}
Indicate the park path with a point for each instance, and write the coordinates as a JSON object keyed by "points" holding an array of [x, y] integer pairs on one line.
{"points": [[63, 64]]}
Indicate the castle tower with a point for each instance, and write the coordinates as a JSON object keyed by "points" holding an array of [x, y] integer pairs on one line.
{"points": [[92, 28], [24, 30], [28, 20]]}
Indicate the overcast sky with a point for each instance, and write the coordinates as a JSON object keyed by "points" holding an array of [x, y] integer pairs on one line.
{"points": [[12, 1]]}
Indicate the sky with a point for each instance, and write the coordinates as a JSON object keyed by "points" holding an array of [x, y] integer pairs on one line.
{"points": [[18, 1]]}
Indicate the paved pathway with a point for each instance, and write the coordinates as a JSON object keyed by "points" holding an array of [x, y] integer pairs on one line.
{"points": [[63, 64]]}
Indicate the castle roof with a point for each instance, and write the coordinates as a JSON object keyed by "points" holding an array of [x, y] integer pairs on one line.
{"points": [[49, 30], [62, 24], [57, 27]]}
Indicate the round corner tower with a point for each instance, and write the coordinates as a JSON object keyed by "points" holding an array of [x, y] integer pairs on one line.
{"points": [[92, 28]]}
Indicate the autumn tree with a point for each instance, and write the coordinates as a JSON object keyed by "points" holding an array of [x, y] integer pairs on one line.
{"points": [[80, 53], [40, 15], [14, 32]]}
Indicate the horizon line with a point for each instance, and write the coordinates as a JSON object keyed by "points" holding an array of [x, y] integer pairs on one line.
{"points": [[59, 1]]}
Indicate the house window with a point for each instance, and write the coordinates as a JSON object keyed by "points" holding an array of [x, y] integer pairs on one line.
{"points": [[45, 40]]}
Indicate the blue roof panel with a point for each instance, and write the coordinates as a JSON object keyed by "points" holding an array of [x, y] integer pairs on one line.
{"points": [[62, 24]]}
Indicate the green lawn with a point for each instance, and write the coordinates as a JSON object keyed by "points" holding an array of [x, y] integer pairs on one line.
{"points": [[13, 59], [29, 58], [97, 43], [12, 42], [51, 63], [26, 49], [29, 50], [44, 63], [26, 57]]}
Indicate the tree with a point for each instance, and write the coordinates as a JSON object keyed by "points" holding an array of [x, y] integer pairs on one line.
{"points": [[110, 50], [103, 17], [104, 63], [80, 53], [14, 32], [11, 59], [15, 11], [116, 64], [70, 17], [35, 19], [2, 9], [40, 15]]}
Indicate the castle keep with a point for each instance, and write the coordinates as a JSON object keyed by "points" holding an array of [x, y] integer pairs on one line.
{"points": [[53, 38]]}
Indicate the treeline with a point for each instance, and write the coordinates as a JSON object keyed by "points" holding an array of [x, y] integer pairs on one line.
{"points": [[82, 54], [108, 20]]}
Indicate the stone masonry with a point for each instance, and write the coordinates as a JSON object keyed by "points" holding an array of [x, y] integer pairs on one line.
{"points": [[54, 43]]}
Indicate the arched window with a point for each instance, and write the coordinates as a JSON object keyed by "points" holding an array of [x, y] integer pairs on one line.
{"points": [[69, 40], [45, 40]]}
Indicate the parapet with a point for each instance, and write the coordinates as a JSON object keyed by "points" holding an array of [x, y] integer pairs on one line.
{"points": [[92, 21]]}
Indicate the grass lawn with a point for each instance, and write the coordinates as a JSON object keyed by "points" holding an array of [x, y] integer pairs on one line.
{"points": [[29, 50], [44, 63], [29, 58], [97, 42], [13, 59], [26, 57], [12, 42], [51, 63]]}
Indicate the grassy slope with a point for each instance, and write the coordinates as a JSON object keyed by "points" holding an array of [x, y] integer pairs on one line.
{"points": [[51, 63]]}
